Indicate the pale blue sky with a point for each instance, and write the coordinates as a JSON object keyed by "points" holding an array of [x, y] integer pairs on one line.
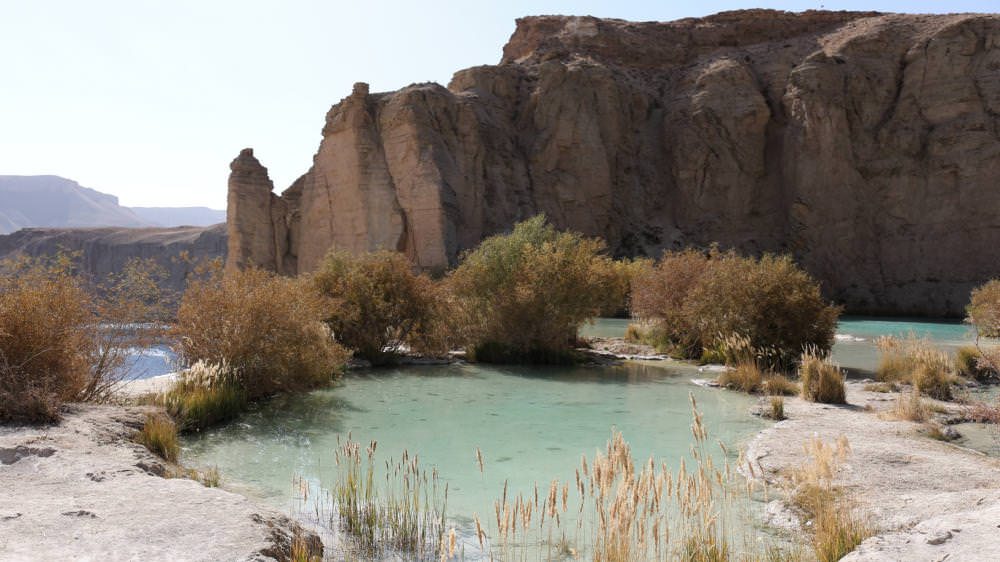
{"points": [[151, 100]]}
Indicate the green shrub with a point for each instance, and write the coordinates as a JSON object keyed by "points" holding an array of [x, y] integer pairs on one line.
{"points": [[822, 381], [696, 298], [633, 334], [267, 329], [621, 275], [379, 303], [159, 435], [523, 294], [983, 310]]}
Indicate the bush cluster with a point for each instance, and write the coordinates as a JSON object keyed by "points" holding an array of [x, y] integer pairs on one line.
{"points": [[64, 339], [915, 361], [694, 299], [265, 328], [378, 305], [983, 310], [822, 381], [522, 296]]}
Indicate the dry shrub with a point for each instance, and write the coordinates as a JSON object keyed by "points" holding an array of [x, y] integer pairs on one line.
{"points": [[822, 381], [971, 363], [933, 376], [695, 298], [267, 329], [983, 311], [379, 303], [63, 340], [621, 275], [522, 296], [159, 435]]}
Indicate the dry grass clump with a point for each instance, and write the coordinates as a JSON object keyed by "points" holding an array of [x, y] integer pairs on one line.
{"points": [[835, 530], [696, 298], [822, 381], [777, 408], [522, 296], [62, 339], [379, 304], [159, 435], [882, 387], [203, 395], [267, 329], [915, 360], [779, 385], [747, 377], [910, 407]]}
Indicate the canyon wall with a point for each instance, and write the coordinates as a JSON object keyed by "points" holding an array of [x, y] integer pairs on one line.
{"points": [[864, 144], [104, 251]]}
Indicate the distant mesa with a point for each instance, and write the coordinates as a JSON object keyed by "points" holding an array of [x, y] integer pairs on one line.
{"points": [[864, 144], [57, 202], [42, 215]]}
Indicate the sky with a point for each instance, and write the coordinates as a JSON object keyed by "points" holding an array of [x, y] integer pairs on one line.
{"points": [[151, 100]]}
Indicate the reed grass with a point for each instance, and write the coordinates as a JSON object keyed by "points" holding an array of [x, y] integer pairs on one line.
{"points": [[780, 385], [159, 435], [400, 513], [777, 408], [617, 510], [822, 381], [203, 395], [914, 360], [910, 407], [836, 529]]}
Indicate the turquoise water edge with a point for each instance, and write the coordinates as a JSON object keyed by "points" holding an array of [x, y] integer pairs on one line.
{"points": [[532, 424]]}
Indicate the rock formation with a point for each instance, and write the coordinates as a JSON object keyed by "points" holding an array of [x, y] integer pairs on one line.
{"points": [[864, 144], [105, 251]]}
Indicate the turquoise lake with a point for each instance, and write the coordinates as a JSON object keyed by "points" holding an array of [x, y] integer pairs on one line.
{"points": [[532, 424]]}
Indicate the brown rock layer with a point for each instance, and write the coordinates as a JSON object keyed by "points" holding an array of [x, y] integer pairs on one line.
{"points": [[106, 250], [864, 144]]}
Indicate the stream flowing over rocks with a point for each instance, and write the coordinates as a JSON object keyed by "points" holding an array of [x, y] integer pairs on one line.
{"points": [[82, 490]]}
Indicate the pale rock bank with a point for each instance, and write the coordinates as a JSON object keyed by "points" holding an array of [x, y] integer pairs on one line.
{"points": [[81, 490], [930, 500]]}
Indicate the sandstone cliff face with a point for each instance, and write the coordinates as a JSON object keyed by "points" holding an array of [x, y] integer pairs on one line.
{"points": [[866, 145]]}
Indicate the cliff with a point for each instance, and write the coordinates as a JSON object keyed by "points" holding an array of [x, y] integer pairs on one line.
{"points": [[864, 144], [106, 250]]}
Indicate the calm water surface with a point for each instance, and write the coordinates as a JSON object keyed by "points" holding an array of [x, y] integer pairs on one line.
{"points": [[532, 424]]}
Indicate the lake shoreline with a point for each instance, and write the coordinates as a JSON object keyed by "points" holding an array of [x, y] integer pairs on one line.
{"points": [[930, 500], [81, 489]]}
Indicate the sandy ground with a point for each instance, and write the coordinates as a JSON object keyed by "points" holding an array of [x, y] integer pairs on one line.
{"points": [[81, 490], [931, 500], [152, 385]]}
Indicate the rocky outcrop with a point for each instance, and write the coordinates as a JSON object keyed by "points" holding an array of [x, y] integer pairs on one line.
{"points": [[864, 144], [83, 490], [105, 251]]}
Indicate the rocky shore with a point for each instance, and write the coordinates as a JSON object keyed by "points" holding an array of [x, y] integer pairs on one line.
{"points": [[82, 490], [930, 500]]}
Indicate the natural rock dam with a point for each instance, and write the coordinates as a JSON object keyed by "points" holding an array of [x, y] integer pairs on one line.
{"points": [[864, 144]]}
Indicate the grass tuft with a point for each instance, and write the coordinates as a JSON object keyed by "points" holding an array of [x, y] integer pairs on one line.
{"points": [[822, 381], [159, 435]]}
